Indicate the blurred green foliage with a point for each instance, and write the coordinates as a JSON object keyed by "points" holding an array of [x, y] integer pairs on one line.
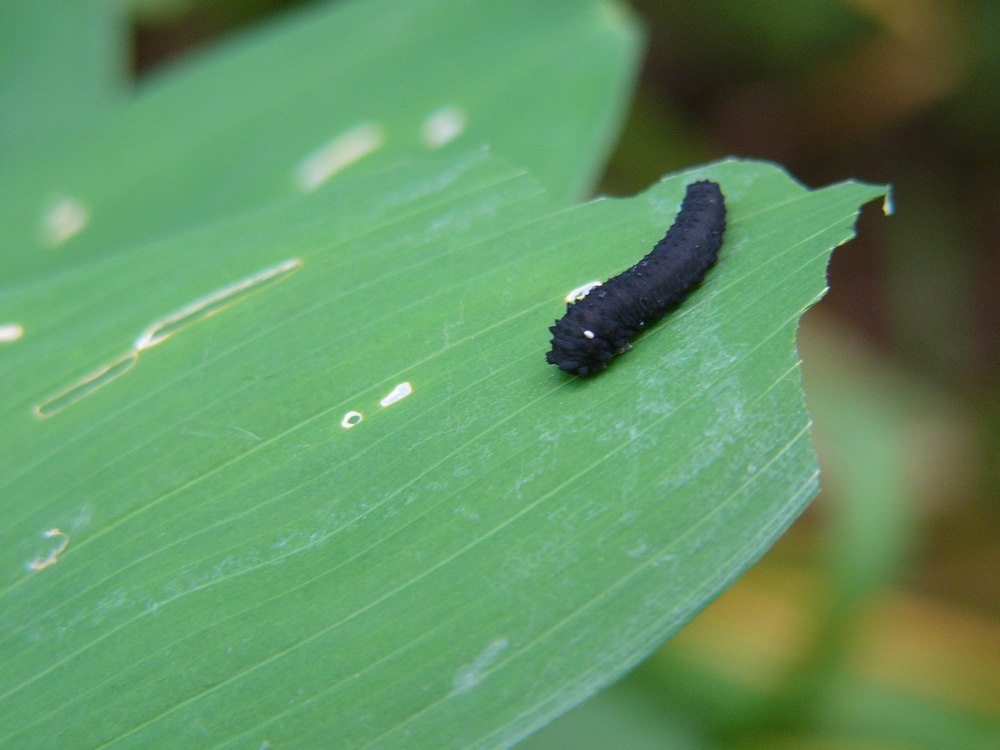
{"points": [[39, 92]]}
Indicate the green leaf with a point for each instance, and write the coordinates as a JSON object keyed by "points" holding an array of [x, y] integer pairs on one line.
{"points": [[60, 63], [340, 87], [197, 552], [633, 713]]}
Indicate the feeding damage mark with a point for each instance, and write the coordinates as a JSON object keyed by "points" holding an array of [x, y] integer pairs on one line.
{"points": [[92, 382], [336, 155], [468, 676], [64, 219], [401, 391], [40, 563], [10, 332], [398, 393], [443, 126], [211, 304], [163, 329], [351, 419]]}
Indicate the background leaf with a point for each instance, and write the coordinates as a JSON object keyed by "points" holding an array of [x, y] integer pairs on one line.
{"points": [[233, 566], [60, 63], [338, 86]]}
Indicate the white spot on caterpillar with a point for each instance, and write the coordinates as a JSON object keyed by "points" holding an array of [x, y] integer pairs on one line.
{"points": [[582, 291], [588, 334], [64, 219], [398, 393], [211, 304], [443, 126], [351, 419], [40, 563], [160, 331], [468, 676], [337, 155], [10, 332]]}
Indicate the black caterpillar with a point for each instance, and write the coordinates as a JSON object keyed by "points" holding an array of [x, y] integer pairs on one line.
{"points": [[600, 325]]}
